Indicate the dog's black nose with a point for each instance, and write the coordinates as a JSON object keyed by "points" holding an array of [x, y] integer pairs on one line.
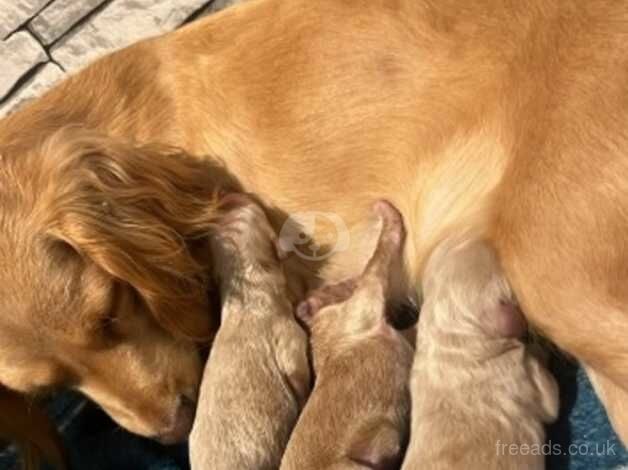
{"points": [[182, 422]]}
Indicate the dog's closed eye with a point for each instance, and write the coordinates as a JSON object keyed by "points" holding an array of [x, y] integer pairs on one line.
{"points": [[116, 319], [107, 324]]}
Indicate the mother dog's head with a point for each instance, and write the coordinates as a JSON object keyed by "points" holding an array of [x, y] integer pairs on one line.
{"points": [[102, 275]]}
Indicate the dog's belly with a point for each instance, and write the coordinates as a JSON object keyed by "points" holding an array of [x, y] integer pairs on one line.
{"points": [[323, 124], [454, 194]]}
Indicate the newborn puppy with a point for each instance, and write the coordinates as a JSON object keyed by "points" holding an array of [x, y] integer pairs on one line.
{"points": [[357, 414], [479, 397], [257, 376]]}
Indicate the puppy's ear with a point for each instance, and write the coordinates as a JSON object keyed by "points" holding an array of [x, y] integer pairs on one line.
{"points": [[26, 425], [137, 212]]}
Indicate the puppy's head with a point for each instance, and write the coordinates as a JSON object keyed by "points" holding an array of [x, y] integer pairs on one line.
{"points": [[468, 291], [102, 284], [337, 314], [243, 236]]}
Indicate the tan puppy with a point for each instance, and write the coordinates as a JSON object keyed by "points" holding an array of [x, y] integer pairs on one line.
{"points": [[356, 416], [479, 398], [258, 374]]}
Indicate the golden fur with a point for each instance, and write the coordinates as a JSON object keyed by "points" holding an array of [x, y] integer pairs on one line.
{"points": [[507, 117]]}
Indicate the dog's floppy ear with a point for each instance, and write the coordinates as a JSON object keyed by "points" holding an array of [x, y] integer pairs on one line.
{"points": [[137, 212], [26, 425]]}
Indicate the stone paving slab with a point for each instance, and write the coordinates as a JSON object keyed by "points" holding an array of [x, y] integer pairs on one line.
{"points": [[36, 85], [217, 5], [120, 24], [19, 54], [66, 35], [14, 13], [59, 17]]}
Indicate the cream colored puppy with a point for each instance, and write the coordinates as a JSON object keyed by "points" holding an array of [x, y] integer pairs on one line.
{"points": [[257, 376], [479, 397], [357, 414]]}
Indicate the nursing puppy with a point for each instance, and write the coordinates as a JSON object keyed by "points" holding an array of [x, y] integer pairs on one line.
{"points": [[356, 415], [258, 374], [479, 397]]}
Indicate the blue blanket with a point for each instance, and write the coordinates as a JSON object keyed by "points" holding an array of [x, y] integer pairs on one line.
{"points": [[582, 439]]}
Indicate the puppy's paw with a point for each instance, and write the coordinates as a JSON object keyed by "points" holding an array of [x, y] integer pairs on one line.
{"points": [[378, 446], [547, 387], [292, 357], [329, 294]]}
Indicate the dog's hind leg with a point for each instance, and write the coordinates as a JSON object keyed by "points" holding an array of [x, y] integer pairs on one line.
{"points": [[615, 399]]}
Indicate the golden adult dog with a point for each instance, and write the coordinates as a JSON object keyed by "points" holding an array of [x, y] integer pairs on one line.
{"points": [[508, 118]]}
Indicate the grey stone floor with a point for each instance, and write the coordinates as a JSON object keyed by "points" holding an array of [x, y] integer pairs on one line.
{"points": [[42, 40]]}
